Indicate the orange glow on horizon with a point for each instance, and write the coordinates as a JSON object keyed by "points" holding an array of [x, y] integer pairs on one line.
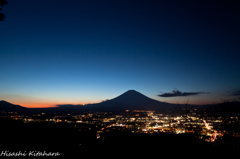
{"points": [[37, 105], [54, 104], [44, 105]]}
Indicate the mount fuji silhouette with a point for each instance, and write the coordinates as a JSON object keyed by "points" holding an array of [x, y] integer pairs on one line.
{"points": [[132, 97], [130, 100]]}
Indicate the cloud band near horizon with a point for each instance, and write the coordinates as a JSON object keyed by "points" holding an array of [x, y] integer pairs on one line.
{"points": [[177, 93]]}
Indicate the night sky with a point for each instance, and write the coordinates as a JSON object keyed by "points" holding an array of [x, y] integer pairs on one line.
{"points": [[86, 51]]}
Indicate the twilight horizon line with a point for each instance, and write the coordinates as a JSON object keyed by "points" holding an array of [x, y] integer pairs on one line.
{"points": [[85, 104]]}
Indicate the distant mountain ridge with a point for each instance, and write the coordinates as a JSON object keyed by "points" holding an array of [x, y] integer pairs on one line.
{"points": [[130, 100]]}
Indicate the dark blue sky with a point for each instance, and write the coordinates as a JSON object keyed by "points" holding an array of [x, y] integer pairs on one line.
{"points": [[85, 51]]}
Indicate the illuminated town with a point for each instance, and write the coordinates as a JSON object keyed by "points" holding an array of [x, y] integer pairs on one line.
{"points": [[137, 121]]}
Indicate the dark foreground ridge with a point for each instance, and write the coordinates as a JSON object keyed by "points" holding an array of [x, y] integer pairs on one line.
{"points": [[79, 140]]}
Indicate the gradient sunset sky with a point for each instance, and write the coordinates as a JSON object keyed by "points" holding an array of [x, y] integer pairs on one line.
{"points": [[86, 51]]}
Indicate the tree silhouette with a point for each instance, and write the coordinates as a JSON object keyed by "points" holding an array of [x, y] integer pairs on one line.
{"points": [[2, 3], [185, 113]]}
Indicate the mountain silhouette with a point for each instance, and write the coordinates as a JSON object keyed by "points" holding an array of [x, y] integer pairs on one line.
{"points": [[6, 106], [132, 97], [130, 100]]}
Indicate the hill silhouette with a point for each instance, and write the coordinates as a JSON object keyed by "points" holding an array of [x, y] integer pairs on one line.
{"points": [[6, 106]]}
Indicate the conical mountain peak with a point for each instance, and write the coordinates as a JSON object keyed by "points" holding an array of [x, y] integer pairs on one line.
{"points": [[130, 100], [132, 92], [131, 96]]}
